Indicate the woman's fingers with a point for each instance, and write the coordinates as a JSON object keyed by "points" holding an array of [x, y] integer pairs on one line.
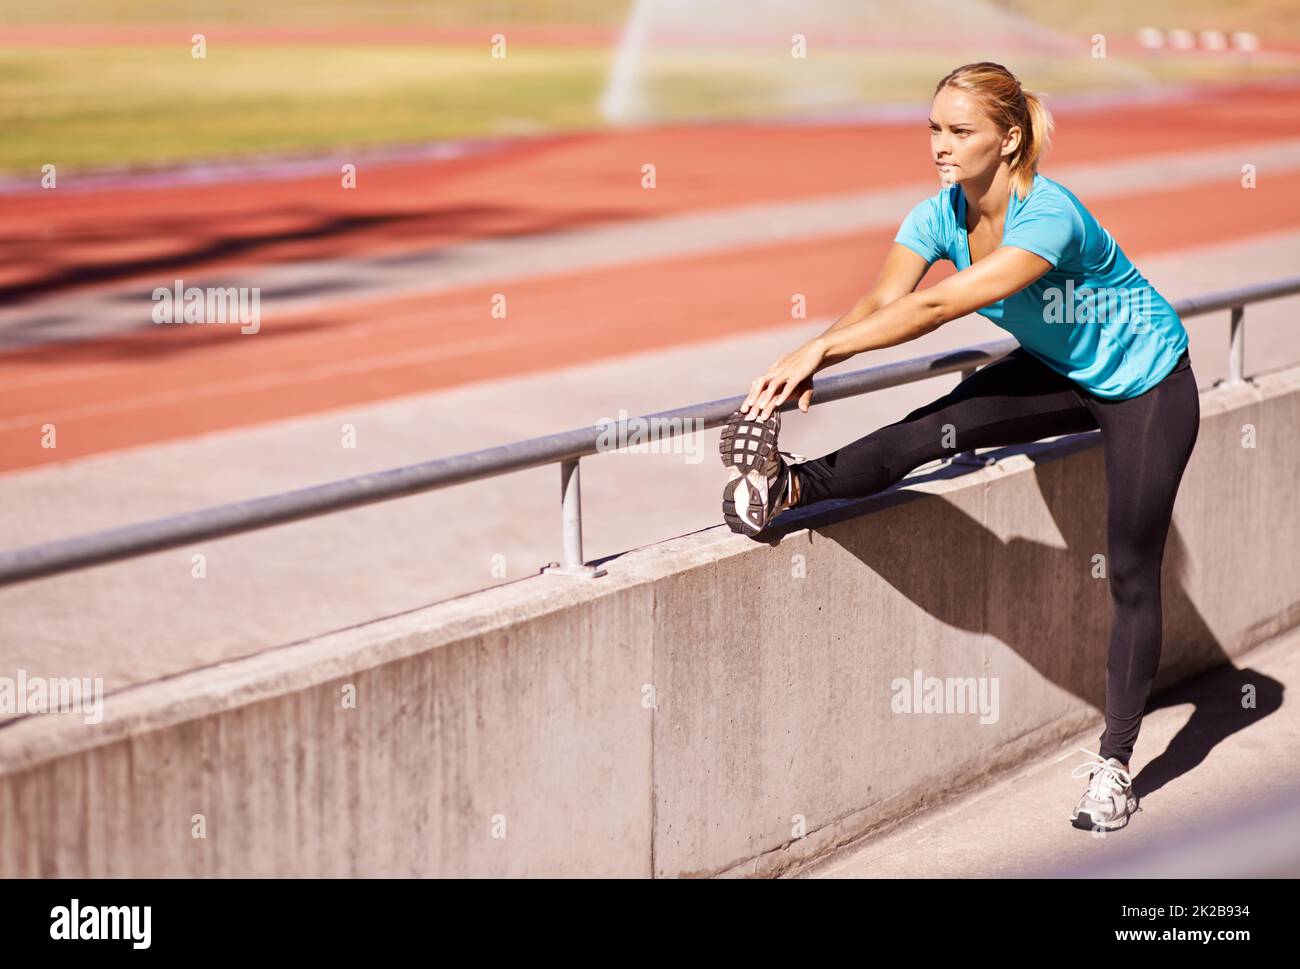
{"points": [[772, 398], [757, 399], [791, 376], [757, 391], [781, 389]]}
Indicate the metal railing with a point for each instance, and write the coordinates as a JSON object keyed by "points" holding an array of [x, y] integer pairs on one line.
{"points": [[567, 449]]}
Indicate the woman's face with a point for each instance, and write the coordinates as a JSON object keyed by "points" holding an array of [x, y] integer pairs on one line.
{"points": [[964, 143]]}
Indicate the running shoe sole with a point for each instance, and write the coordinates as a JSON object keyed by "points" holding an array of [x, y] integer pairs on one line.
{"points": [[1083, 820], [749, 452]]}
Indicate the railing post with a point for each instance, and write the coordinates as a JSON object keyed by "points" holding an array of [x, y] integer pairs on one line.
{"points": [[571, 524], [968, 457], [1236, 346]]}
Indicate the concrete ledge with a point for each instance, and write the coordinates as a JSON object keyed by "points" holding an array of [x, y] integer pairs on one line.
{"points": [[713, 706]]}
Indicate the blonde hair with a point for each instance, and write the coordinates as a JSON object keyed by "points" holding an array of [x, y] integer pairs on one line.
{"points": [[1007, 104]]}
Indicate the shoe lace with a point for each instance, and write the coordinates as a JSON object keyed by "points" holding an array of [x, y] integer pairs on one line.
{"points": [[1105, 777], [789, 458]]}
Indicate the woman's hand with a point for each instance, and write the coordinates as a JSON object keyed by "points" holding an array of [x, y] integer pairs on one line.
{"points": [[792, 374]]}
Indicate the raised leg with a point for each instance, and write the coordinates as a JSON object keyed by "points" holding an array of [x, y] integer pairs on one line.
{"points": [[1012, 401]]}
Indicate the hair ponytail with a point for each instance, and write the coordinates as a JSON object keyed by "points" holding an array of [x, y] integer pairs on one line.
{"points": [[1038, 136]]}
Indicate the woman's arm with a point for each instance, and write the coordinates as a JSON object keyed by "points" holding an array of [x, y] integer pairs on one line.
{"points": [[900, 274], [1004, 271]]}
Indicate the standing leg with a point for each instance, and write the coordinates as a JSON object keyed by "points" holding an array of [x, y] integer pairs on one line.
{"points": [[1012, 401], [1146, 441]]}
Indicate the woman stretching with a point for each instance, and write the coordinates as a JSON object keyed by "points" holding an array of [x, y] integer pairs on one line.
{"points": [[1099, 349]]}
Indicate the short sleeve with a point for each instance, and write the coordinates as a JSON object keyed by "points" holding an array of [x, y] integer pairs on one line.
{"points": [[1047, 225], [920, 232]]}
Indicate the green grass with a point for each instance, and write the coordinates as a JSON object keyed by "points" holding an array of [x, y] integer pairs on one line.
{"points": [[1276, 18], [81, 107], [317, 12]]}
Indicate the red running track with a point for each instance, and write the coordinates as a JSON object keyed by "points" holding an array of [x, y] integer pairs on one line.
{"points": [[176, 382]]}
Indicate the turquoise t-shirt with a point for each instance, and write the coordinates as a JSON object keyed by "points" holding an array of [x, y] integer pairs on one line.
{"points": [[1092, 317]]}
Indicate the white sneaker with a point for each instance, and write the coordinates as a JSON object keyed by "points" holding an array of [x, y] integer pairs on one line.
{"points": [[761, 482], [1109, 799]]}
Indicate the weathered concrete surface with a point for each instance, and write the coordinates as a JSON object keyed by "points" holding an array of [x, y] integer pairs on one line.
{"points": [[1218, 782], [502, 736], [680, 715]]}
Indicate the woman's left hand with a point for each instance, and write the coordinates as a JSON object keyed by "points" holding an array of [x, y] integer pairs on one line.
{"points": [[792, 373]]}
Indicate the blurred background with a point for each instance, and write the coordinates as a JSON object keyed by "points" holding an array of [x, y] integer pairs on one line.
{"points": [[112, 83]]}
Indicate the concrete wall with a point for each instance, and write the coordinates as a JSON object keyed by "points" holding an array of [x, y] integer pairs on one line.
{"points": [[712, 706]]}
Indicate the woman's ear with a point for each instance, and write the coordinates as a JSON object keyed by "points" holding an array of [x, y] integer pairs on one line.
{"points": [[1011, 141]]}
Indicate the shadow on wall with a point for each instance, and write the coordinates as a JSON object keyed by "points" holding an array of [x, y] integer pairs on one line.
{"points": [[1029, 578]]}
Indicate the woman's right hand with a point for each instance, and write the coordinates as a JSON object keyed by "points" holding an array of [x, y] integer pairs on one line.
{"points": [[790, 376]]}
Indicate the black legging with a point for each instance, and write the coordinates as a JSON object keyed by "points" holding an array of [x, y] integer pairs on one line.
{"points": [[1146, 441]]}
